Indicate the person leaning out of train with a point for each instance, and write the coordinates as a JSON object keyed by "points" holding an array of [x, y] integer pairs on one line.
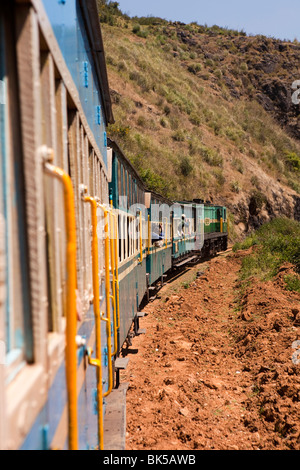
{"points": [[158, 235], [183, 227]]}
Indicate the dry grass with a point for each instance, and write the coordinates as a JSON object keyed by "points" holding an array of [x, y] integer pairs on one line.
{"points": [[187, 133]]}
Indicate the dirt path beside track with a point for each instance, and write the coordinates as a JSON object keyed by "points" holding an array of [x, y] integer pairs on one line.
{"points": [[212, 371]]}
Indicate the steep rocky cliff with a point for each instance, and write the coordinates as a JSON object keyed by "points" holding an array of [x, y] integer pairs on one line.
{"points": [[207, 112]]}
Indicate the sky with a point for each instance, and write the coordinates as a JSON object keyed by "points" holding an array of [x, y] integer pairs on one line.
{"points": [[275, 18]]}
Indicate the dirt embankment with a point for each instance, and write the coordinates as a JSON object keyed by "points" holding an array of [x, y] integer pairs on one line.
{"points": [[214, 373]]}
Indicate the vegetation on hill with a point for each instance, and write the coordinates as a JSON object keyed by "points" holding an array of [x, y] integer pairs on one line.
{"points": [[203, 111], [276, 243]]}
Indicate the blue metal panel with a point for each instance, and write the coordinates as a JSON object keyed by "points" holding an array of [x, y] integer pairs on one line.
{"points": [[68, 26], [158, 263], [45, 426], [132, 291]]}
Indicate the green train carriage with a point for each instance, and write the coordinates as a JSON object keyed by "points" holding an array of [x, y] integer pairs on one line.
{"points": [[215, 228]]}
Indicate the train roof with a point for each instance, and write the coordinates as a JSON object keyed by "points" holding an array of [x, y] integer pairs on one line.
{"points": [[200, 201], [117, 149], [93, 28], [162, 198]]}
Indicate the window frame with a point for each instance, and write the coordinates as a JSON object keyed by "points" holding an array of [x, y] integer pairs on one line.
{"points": [[18, 332]]}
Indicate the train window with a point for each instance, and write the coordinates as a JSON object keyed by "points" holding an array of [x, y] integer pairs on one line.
{"points": [[61, 122], [17, 317], [124, 236], [133, 192], [53, 192], [133, 235], [94, 174], [99, 192], [128, 238], [122, 180], [125, 188], [91, 171], [129, 235], [140, 198], [145, 228], [120, 236], [129, 189], [119, 178]]}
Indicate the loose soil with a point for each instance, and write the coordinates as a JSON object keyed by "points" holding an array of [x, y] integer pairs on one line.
{"points": [[216, 370]]}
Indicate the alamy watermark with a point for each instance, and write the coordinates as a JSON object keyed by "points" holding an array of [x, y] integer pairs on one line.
{"points": [[179, 222], [2, 92], [296, 354], [2, 353], [296, 94]]}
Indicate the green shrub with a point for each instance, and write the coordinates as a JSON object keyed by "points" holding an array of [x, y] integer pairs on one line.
{"points": [[154, 181], [163, 122], [257, 200], [136, 28], [254, 181], [247, 243], [185, 166], [179, 136], [235, 186], [194, 68], [238, 165], [211, 157], [220, 178], [277, 242], [195, 119], [292, 282], [293, 160]]}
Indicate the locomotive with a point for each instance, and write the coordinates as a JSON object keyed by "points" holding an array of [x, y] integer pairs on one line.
{"points": [[82, 240]]}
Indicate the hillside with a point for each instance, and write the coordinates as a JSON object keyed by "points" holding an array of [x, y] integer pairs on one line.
{"points": [[207, 113]]}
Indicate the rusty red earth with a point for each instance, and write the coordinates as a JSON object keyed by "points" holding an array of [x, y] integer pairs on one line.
{"points": [[216, 370]]}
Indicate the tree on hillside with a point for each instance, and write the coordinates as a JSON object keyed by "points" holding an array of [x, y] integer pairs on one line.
{"points": [[108, 11]]}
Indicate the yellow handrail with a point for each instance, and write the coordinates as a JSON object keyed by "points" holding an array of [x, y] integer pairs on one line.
{"points": [[166, 233], [117, 270], [107, 319], [141, 238], [221, 224], [149, 234], [114, 255], [71, 314], [96, 362]]}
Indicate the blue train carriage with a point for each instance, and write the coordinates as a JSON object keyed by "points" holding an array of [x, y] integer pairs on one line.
{"points": [[57, 294], [127, 193], [187, 231], [159, 245]]}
